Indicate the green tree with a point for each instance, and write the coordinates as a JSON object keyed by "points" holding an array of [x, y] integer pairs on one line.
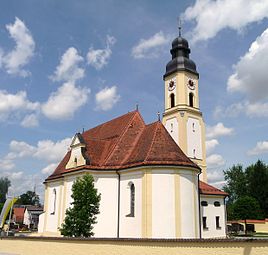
{"points": [[4, 185], [246, 208], [1, 206], [236, 183], [29, 198], [257, 184], [81, 216]]}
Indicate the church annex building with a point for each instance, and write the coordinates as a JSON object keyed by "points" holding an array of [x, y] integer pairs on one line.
{"points": [[152, 177]]}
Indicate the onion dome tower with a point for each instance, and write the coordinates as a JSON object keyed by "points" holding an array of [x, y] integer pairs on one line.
{"points": [[182, 116]]}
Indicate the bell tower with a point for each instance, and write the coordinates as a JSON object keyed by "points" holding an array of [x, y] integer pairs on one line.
{"points": [[182, 116]]}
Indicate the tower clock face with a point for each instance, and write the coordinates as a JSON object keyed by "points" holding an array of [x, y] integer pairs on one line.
{"points": [[171, 84], [191, 84]]}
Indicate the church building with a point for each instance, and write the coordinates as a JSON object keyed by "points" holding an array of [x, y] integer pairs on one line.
{"points": [[152, 177]]}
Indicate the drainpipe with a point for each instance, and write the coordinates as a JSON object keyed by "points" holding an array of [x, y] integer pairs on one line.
{"points": [[199, 209], [118, 205]]}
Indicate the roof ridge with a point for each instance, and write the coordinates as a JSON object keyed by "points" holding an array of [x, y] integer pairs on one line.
{"points": [[135, 142], [104, 123], [151, 145], [120, 137]]}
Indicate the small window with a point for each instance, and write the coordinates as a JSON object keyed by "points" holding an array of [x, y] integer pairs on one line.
{"points": [[171, 127], [172, 100], [75, 161], [204, 221], [191, 99], [193, 128], [194, 153], [218, 222], [54, 197], [132, 201], [204, 203], [217, 203]]}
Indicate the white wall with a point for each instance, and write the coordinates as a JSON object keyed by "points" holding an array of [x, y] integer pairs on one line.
{"points": [[52, 219], [211, 212], [189, 205], [163, 204], [41, 223], [194, 138], [107, 185], [130, 226], [26, 218], [172, 127]]}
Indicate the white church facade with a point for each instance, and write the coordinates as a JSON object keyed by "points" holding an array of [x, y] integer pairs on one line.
{"points": [[152, 178]]}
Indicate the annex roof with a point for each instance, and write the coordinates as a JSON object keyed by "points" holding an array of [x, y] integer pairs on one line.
{"points": [[207, 189], [126, 142]]}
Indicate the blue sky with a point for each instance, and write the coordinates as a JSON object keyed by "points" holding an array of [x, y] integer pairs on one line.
{"points": [[69, 65]]}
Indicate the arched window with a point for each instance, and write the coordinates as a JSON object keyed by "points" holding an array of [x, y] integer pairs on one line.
{"points": [[54, 197], [172, 100], [132, 200], [191, 99]]}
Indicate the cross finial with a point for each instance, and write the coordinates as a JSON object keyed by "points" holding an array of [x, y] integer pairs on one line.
{"points": [[158, 115], [179, 25], [137, 106]]}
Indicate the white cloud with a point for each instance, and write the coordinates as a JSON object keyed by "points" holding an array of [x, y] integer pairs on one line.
{"points": [[6, 164], [260, 148], [210, 145], [49, 169], [68, 69], [15, 60], [52, 151], [107, 98], [211, 16], [22, 182], [16, 175], [30, 120], [99, 58], [232, 110], [218, 130], [215, 160], [215, 176], [250, 76], [1, 57], [45, 149], [21, 149], [63, 103], [150, 48], [14, 104], [257, 109]]}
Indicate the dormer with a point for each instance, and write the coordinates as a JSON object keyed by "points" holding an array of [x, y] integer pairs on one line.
{"points": [[78, 157]]}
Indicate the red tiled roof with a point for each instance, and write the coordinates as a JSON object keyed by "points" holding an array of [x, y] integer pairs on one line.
{"points": [[249, 221], [207, 189], [125, 142], [18, 214]]}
